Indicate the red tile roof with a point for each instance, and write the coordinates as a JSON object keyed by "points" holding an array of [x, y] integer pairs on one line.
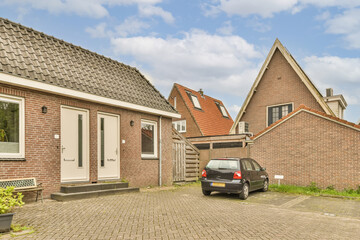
{"points": [[209, 118], [302, 107]]}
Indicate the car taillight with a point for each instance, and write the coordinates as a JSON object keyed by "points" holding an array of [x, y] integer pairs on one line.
{"points": [[237, 175], [203, 174]]}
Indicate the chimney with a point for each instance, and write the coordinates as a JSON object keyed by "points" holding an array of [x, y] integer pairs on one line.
{"points": [[329, 92], [201, 92]]}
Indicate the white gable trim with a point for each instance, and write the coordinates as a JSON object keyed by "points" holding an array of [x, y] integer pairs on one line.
{"points": [[27, 83], [299, 72]]}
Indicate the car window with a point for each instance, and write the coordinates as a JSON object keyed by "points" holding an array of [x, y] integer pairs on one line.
{"points": [[256, 165], [223, 164], [247, 165]]}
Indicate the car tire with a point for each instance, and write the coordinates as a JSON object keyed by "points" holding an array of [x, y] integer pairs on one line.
{"points": [[206, 193], [245, 192], [266, 186]]}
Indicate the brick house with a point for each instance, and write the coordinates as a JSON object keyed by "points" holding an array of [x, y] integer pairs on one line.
{"points": [[201, 115], [298, 133], [69, 115]]}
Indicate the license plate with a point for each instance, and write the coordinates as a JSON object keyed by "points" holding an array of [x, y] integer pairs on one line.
{"points": [[215, 184]]}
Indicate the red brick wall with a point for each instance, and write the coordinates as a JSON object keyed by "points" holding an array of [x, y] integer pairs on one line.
{"points": [[42, 151], [192, 130], [308, 148], [279, 84]]}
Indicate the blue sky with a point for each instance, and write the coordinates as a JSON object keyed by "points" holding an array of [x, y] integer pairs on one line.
{"points": [[216, 45]]}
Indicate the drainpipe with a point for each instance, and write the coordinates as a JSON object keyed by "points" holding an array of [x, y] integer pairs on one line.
{"points": [[160, 142]]}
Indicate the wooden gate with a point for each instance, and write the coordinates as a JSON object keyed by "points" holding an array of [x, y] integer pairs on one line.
{"points": [[185, 159]]}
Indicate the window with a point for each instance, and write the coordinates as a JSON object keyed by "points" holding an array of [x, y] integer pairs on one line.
{"points": [[180, 126], [222, 109], [11, 127], [194, 100], [223, 164], [175, 102], [247, 165], [277, 112], [257, 166], [148, 139]]}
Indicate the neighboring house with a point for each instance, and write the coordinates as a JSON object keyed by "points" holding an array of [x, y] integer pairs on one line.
{"points": [[298, 133], [69, 115], [280, 87], [201, 115]]}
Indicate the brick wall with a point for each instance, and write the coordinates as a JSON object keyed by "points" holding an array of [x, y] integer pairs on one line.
{"points": [[192, 130], [279, 84], [308, 148], [42, 151]]}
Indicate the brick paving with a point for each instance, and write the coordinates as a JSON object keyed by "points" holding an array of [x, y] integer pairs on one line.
{"points": [[186, 214]]}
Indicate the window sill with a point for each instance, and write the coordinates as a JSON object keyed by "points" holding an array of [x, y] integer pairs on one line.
{"points": [[149, 158], [13, 159]]}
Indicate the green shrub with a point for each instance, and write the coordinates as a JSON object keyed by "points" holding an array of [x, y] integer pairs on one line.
{"points": [[313, 188], [8, 200], [331, 188]]}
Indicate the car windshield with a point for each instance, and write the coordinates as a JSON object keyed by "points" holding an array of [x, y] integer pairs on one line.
{"points": [[223, 164]]}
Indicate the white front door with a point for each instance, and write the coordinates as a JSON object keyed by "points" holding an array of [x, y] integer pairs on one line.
{"points": [[108, 146], [74, 144]]}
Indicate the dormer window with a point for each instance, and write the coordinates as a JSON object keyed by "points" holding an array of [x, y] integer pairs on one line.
{"points": [[194, 100], [222, 110]]}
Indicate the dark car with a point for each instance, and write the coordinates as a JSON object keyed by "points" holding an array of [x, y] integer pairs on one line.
{"points": [[234, 175]]}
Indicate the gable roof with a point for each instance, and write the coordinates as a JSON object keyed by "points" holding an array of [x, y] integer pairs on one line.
{"points": [[209, 119], [47, 63], [299, 71], [303, 108]]}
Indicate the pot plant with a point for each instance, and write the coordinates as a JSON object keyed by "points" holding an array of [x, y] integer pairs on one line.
{"points": [[8, 201]]}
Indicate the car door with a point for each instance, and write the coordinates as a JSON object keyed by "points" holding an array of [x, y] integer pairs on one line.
{"points": [[258, 180], [249, 173]]}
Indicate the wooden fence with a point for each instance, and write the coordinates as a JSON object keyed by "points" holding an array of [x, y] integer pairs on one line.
{"points": [[185, 159]]}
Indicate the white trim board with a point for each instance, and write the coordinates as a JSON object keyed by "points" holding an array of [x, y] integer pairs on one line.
{"points": [[31, 84]]}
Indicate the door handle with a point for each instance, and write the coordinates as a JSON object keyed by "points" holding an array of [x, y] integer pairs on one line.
{"points": [[72, 159], [111, 159]]}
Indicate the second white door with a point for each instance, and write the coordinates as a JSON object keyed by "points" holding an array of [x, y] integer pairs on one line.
{"points": [[108, 146]]}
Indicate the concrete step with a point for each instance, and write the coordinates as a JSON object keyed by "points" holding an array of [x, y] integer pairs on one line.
{"points": [[93, 187], [91, 194]]}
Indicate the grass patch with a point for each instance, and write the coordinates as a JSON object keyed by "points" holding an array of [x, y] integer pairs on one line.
{"points": [[314, 190]]}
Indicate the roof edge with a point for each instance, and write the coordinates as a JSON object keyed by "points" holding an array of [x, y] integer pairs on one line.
{"points": [[44, 87]]}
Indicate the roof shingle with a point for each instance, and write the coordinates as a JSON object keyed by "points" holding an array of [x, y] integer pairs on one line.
{"points": [[209, 119], [36, 56]]}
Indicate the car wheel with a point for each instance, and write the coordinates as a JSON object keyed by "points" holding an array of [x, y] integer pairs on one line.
{"points": [[245, 192], [266, 186], [206, 193]]}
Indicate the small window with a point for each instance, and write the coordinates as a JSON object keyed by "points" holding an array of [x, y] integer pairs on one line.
{"points": [[180, 126], [11, 127], [148, 139], [277, 112], [222, 109], [257, 166], [194, 100], [175, 102], [247, 165]]}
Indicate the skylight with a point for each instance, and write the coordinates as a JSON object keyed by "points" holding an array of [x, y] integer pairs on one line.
{"points": [[223, 111], [195, 101]]}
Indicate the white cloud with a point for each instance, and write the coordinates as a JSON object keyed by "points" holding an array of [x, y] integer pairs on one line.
{"points": [[130, 26], [225, 64], [91, 8], [99, 31], [233, 109], [150, 10], [347, 24], [267, 9], [226, 29], [341, 74]]}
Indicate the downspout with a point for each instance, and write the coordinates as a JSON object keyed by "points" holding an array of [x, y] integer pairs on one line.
{"points": [[160, 142]]}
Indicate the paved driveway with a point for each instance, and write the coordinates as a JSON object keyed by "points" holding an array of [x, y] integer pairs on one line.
{"points": [[186, 214]]}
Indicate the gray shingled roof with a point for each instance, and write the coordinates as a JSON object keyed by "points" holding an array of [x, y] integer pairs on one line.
{"points": [[36, 56]]}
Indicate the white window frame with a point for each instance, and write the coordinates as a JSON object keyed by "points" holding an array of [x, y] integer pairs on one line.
{"points": [[175, 102], [180, 123], [21, 102], [223, 111], [155, 155]]}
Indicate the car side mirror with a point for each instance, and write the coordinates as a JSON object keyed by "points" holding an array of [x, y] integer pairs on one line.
{"points": [[263, 169]]}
